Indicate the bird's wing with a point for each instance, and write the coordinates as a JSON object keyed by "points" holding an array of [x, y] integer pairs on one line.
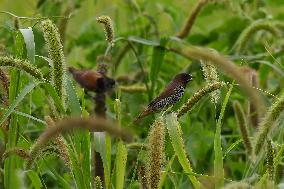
{"points": [[168, 91], [87, 78]]}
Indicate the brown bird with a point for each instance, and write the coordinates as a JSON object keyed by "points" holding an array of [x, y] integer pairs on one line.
{"points": [[171, 95], [92, 81]]}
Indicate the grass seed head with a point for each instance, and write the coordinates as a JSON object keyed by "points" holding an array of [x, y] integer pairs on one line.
{"points": [[155, 153], [55, 51], [108, 26]]}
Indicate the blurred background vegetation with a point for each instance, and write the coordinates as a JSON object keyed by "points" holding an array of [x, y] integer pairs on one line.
{"points": [[218, 26]]}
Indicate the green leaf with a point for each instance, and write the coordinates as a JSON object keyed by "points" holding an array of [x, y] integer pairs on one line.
{"points": [[175, 133], [10, 166], [142, 41], [157, 61], [103, 146], [30, 44], [120, 165], [53, 94], [36, 182], [72, 98], [218, 160], [25, 115], [232, 146], [19, 98]]}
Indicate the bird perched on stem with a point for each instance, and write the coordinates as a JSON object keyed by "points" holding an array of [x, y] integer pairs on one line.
{"points": [[171, 95], [92, 80]]}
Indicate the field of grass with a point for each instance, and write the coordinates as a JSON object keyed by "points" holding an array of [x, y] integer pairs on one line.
{"points": [[226, 131]]}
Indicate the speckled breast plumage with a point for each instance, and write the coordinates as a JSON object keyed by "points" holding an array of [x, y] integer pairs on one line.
{"points": [[169, 100]]}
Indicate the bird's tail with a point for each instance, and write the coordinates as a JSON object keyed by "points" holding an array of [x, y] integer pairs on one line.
{"points": [[144, 113]]}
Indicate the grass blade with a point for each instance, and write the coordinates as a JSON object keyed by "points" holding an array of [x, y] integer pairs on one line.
{"points": [[19, 98], [218, 161], [157, 61], [30, 44], [120, 165], [36, 182], [53, 94], [175, 133]]}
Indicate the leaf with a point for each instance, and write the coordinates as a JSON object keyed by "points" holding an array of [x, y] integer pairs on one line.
{"points": [[103, 146], [142, 41], [10, 163], [175, 133], [218, 160], [25, 115], [232, 146], [19, 98], [53, 94], [157, 61], [30, 44], [36, 182], [72, 98], [120, 165]]}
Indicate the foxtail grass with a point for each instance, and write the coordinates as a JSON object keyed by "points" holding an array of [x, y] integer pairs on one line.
{"points": [[155, 153], [211, 76], [246, 35], [142, 177], [187, 107], [22, 65], [4, 83], [55, 51], [98, 183], [108, 26], [242, 123], [69, 124], [175, 134], [270, 159], [59, 142], [16, 151], [267, 123]]}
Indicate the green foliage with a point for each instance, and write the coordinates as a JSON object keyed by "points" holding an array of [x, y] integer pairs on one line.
{"points": [[203, 146]]}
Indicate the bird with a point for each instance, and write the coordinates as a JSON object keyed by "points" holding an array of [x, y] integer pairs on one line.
{"points": [[171, 95], [92, 80]]}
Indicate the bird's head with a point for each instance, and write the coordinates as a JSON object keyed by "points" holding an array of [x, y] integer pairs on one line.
{"points": [[183, 78]]}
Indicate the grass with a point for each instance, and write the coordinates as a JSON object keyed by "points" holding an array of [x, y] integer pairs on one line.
{"points": [[225, 132]]}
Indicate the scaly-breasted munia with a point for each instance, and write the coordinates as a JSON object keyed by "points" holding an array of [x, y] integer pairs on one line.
{"points": [[171, 95], [92, 81]]}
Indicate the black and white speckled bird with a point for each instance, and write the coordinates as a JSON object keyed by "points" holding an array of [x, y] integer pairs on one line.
{"points": [[171, 95]]}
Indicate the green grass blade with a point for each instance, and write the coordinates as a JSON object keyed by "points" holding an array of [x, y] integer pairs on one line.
{"points": [[72, 98], [19, 98], [157, 61], [231, 147], [167, 169], [36, 182], [53, 94], [175, 133], [218, 160], [25, 115], [81, 141], [10, 167], [142, 41], [30, 44], [120, 165], [102, 144]]}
